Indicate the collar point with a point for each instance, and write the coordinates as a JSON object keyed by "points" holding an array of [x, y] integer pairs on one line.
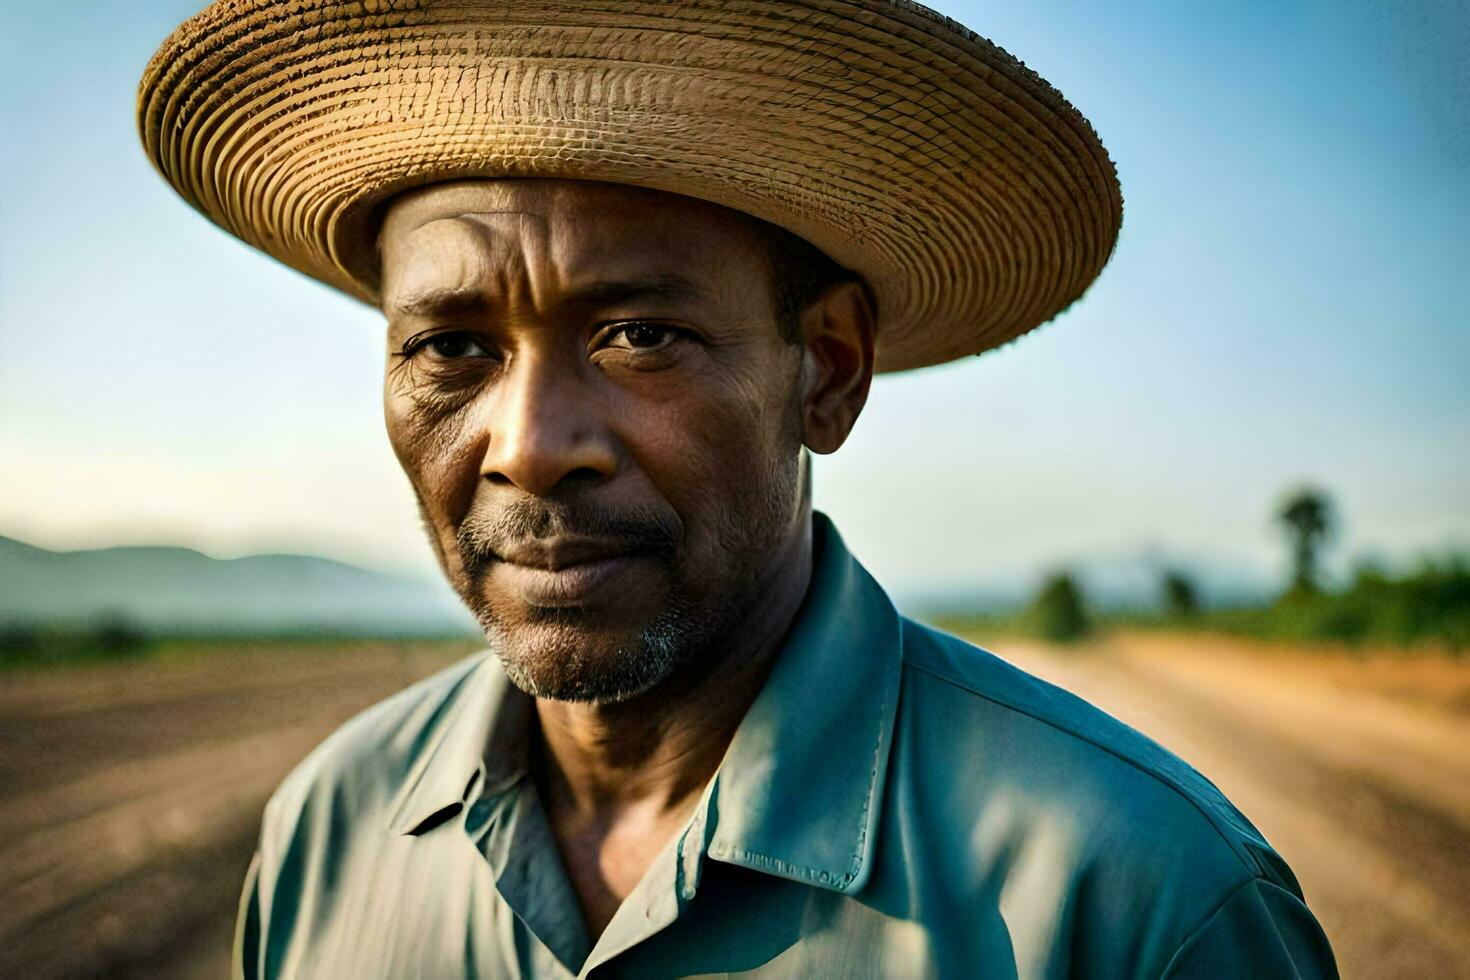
{"points": [[846, 882]]}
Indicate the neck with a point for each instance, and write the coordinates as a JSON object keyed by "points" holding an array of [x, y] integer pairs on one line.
{"points": [[658, 751]]}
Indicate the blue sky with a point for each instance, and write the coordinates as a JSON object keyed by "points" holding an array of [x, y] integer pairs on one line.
{"points": [[1287, 303]]}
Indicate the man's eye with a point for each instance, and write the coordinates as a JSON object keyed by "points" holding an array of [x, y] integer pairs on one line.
{"points": [[450, 346], [642, 336]]}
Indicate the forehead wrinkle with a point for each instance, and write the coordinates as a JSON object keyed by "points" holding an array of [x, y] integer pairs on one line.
{"points": [[475, 255], [553, 248], [529, 251], [424, 262]]}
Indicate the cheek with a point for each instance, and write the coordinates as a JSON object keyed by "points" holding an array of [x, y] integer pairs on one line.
{"points": [[711, 446], [440, 452]]}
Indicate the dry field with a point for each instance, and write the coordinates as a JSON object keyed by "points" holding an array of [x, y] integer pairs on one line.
{"points": [[129, 792], [130, 795]]}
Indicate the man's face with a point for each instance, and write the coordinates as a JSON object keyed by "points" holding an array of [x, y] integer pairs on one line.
{"points": [[589, 392]]}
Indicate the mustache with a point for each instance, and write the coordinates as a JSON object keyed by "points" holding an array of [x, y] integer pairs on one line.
{"points": [[484, 538]]}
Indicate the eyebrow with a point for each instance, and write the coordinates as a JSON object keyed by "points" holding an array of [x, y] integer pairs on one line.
{"points": [[466, 301], [442, 302], [667, 286]]}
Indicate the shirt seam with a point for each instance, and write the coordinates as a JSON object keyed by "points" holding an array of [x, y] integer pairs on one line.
{"points": [[1249, 866], [1205, 923], [855, 865]]}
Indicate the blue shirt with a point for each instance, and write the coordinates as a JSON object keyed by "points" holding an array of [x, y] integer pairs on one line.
{"points": [[896, 803]]}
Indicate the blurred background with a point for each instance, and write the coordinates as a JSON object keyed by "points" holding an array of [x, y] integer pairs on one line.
{"points": [[1226, 496]]}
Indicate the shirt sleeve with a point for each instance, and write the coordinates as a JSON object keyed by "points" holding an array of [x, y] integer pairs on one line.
{"points": [[245, 961], [1261, 930]]}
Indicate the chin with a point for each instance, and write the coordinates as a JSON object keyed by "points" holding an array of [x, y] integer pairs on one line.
{"points": [[559, 656]]}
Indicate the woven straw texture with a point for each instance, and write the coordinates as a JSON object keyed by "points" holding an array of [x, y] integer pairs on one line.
{"points": [[974, 199]]}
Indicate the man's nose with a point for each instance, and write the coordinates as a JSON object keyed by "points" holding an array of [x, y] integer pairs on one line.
{"points": [[546, 425]]}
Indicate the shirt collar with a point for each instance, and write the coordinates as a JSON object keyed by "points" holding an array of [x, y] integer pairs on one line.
{"points": [[798, 792], [451, 763]]}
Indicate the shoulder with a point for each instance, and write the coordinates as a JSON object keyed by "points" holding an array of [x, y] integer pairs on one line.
{"points": [[361, 769], [1105, 762], [325, 834], [1047, 794]]}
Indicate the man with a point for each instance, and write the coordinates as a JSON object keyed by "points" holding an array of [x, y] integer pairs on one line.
{"points": [[635, 259]]}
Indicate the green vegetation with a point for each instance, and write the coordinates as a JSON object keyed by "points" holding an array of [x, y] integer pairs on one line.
{"points": [[1180, 598], [108, 637], [1427, 607], [26, 645], [1306, 515], [1057, 613]]}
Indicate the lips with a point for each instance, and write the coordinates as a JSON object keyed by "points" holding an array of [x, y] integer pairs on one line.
{"points": [[562, 572], [556, 554]]}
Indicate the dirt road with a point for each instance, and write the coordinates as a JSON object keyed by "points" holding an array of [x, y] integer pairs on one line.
{"points": [[129, 794]]}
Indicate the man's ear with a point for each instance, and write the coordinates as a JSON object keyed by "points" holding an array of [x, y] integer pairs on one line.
{"points": [[836, 363]]}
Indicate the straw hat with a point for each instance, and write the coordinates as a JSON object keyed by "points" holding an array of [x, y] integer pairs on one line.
{"points": [[973, 198]]}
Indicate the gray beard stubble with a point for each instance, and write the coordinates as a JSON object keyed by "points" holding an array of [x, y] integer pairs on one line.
{"points": [[567, 668]]}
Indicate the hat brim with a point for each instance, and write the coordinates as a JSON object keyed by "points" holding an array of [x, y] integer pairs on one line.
{"points": [[973, 198]]}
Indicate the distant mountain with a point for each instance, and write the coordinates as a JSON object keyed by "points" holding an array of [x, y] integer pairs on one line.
{"points": [[176, 588]]}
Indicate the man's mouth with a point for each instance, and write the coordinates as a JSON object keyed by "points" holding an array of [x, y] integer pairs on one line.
{"points": [[558, 553], [561, 572]]}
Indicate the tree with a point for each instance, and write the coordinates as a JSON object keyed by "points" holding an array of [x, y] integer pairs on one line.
{"points": [[18, 640], [1181, 598], [1057, 611], [1306, 516], [115, 633]]}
